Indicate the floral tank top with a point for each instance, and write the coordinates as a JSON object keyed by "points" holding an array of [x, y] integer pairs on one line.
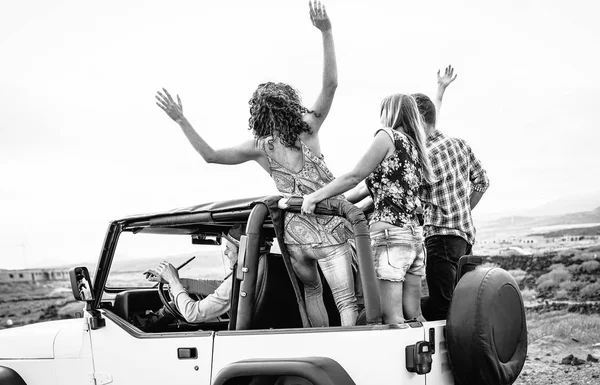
{"points": [[394, 184], [318, 230]]}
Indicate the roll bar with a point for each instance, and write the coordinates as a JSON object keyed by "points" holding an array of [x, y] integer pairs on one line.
{"points": [[360, 226], [337, 207]]}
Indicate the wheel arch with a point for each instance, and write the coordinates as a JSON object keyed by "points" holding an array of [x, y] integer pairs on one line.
{"points": [[317, 370], [9, 376]]}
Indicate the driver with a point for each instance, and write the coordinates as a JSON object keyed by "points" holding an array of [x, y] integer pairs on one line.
{"points": [[218, 300]]}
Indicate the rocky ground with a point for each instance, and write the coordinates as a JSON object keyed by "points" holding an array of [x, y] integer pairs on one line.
{"points": [[564, 349], [544, 366], [25, 303]]}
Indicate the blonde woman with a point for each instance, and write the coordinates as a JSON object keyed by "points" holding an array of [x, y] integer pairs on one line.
{"points": [[393, 169]]}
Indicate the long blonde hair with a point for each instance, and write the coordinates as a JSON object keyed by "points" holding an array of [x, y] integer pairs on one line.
{"points": [[400, 111]]}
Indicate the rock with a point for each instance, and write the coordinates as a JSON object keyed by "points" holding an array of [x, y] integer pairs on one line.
{"points": [[577, 361], [567, 360], [591, 358], [574, 339], [9, 322], [548, 354], [538, 358]]}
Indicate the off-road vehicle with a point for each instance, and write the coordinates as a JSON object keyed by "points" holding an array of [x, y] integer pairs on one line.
{"points": [[119, 339]]}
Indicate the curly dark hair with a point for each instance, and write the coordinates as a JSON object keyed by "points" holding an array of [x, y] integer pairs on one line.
{"points": [[275, 108]]}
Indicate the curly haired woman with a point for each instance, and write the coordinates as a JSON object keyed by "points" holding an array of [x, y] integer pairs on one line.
{"points": [[393, 168], [287, 146]]}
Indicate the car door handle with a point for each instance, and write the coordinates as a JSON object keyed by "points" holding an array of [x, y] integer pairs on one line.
{"points": [[187, 353]]}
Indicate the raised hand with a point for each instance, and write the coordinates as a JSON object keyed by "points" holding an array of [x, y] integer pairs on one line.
{"points": [[447, 78], [168, 105], [318, 16]]}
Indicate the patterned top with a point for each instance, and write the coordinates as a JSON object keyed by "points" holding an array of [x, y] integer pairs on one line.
{"points": [[321, 230], [447, 201], [394, 184]]}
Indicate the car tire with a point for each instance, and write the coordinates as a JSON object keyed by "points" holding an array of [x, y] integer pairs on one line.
{"points": [[486, 328]]}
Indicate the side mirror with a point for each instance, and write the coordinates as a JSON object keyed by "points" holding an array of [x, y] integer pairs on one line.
{"points": [[81, 284]]}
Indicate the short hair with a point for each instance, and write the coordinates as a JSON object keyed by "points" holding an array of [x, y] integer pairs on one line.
{"points": [[426, 108]]}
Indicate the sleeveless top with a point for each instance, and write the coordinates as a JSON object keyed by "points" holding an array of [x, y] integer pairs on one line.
{"points": [[394, 184], [318, 230]]}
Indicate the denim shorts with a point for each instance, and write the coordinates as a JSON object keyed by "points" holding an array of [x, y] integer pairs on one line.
{"points": [[398, 251]]}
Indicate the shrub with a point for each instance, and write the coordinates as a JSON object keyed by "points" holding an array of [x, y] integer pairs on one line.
{"points": [[547, 285], [528, 294], [566, 253], [553, 278], [590, 266], [572, 286], [561, 294], [518, 274], [590, 292], [556, 266], [586, 256], [489, 264]]}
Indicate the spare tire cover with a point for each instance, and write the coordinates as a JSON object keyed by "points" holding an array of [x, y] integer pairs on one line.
{"points": [[486, 328]]}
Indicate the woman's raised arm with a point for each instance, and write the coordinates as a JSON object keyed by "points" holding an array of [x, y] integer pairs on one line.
{"points": [[240, 153], [319, 18]]}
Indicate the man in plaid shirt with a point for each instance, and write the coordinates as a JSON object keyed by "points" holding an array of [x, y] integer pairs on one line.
{"points": [[460, 183]]}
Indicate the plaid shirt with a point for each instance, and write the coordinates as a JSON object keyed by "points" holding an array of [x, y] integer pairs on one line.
{"points": [[447, 201]]}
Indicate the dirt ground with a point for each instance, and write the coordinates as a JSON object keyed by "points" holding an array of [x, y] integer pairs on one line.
{"points": [[554, 336], [543, 365], [25, 303]]}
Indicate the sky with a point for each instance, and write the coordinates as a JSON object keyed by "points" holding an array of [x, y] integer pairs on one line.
{"points": [[82, 141]]}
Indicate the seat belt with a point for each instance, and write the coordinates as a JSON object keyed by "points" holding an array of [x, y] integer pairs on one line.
{"points": [[277, 216]]}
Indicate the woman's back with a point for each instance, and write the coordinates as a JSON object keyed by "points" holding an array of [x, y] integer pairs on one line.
{"points": [[394, 184], [301, 172]]}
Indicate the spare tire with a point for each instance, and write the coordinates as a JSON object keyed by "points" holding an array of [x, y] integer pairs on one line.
{"points": [[486, 328]]}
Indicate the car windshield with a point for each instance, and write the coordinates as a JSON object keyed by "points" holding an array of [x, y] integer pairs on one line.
{"points": [[137, 252]]}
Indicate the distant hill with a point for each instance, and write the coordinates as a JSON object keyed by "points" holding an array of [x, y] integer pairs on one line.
{"points": [[592, 216], [571, 232], [565, 205], [575, 203], [525, 225]]}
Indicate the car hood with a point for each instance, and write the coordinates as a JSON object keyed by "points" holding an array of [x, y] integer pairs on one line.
{"points": [[35, 340]]}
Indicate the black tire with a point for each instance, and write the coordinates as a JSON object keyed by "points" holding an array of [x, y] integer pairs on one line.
{"points": [[486, 328]]}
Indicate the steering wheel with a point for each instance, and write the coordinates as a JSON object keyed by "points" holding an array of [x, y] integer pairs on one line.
{"points": [[168, 303]]}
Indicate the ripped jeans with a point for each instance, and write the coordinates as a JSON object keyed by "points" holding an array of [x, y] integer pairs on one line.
{"points": [[336, 264]]}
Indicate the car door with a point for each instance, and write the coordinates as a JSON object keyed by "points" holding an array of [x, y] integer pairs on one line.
{"points": [[123, 355]]}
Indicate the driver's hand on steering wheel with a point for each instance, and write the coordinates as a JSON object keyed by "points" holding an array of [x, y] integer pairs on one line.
{"points": [[164, 272]]}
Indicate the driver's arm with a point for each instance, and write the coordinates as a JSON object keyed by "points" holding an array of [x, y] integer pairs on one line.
{"points": [[201, 286], [210, 307]]}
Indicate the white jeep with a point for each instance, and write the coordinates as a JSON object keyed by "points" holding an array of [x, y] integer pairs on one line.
{"points": [[261, 340]]}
